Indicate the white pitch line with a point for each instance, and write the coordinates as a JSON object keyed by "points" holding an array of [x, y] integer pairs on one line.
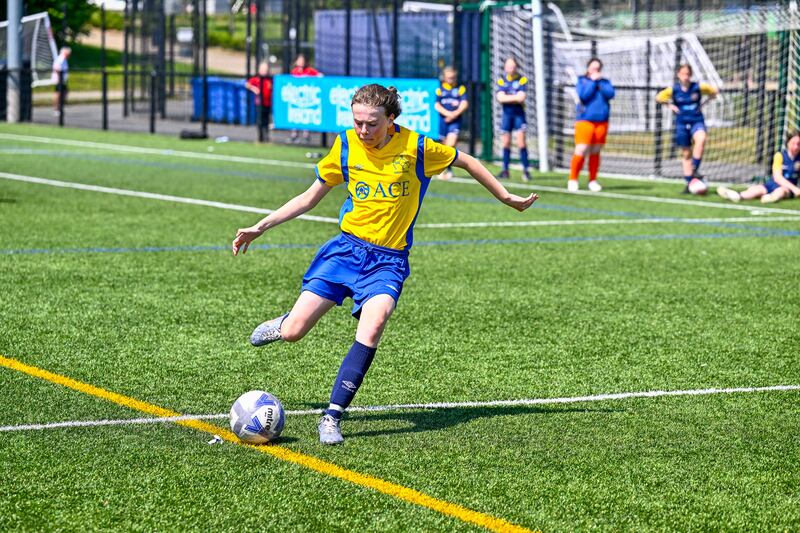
{"points": [[157, 151], [637, 197], [327, 220], [469, 181], [417, 406], [114, 422], [154, 196], [590, 222]]}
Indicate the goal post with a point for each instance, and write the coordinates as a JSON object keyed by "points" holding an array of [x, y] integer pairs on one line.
{"points": [[751, 54], [38, 47]]}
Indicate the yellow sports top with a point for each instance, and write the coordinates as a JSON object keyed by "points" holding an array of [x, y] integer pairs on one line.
{"points": [[385, 186], [665, 95]]}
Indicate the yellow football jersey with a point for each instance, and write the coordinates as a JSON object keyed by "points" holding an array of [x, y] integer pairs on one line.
{"points": [[386, 186]]}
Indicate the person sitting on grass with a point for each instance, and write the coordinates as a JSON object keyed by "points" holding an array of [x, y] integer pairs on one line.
{"points": [[386, 169], [784, 180]]}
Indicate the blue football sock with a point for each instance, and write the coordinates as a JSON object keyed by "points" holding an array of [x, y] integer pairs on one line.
{"points": [[696, 164], [688, 178], [523, 157], [506, 158], [351, 374]]}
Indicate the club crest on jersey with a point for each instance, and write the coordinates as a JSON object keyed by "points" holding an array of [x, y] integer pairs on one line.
{"points": [[401, 164], [362, 190]]}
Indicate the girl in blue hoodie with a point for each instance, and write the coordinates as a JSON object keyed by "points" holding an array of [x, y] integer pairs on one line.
{"points": [[591, 126]]}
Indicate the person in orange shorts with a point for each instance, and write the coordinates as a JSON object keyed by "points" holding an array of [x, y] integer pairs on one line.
{"points": [[591, 127]]}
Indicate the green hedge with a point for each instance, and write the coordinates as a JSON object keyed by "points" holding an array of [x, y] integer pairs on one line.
{"points": [[114, 20]]}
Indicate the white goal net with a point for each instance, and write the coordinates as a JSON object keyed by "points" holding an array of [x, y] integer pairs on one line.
{"points": [[38, 46], [751, 55]]}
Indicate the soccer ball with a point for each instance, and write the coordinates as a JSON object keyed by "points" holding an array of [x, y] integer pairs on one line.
{"points": [[257, 417], [697, 186]]}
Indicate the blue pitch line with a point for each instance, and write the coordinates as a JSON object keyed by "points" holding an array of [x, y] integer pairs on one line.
{"points": [[607, 212], [551, 207], [465, 242], [268, 177], [571, 209]]}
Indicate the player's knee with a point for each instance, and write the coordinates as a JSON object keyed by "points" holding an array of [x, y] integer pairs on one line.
{"points": [[370, 334]]}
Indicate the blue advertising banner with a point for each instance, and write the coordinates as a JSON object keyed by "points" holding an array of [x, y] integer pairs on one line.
{"points": [[323, 104]]}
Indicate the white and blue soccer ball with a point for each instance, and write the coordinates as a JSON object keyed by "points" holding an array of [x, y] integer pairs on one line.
{"points": [[257, 417]]}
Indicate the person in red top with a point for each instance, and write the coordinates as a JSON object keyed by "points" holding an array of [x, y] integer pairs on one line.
{"points": [[302, 68], [261, 86]]}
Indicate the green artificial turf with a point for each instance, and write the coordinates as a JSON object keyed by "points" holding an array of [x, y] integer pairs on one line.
{"points": [[143, 297]]}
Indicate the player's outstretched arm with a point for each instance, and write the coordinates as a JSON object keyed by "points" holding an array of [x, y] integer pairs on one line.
{"points": [[292, 209], [485, 178]]}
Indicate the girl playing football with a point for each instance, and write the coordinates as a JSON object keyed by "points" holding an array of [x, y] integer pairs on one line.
{"points": [[386, 170], [684, 98]]}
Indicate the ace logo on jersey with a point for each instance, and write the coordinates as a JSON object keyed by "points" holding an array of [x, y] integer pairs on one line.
{"points": [[396, 189]]}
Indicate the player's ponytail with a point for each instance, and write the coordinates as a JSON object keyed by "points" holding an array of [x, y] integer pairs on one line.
{"points": [[374, 95]]}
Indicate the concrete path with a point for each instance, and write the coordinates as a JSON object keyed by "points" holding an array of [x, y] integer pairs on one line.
{"points": [[89, 116]]}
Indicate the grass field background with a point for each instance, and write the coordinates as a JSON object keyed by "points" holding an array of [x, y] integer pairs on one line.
{"points": [[142, 297]]}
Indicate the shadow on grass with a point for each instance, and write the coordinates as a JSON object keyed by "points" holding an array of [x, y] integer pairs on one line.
{"points": [[282, 440], [436, 419]]}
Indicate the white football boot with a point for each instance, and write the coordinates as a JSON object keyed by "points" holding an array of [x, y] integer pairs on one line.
{"points": [[572, 185], [267, 332], [329, 432], [729, 194], [595, 186]]}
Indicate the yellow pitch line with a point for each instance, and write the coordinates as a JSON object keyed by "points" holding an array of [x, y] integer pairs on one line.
{"points": [[324, 467]]}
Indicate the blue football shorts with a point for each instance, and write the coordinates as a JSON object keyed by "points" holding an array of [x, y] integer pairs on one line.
{"points": [[347, 266], [446, 128], [684, 131], [513, 122]]}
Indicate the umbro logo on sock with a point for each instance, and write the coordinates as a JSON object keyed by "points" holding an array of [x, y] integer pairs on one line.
{"points": [[349, 385]]}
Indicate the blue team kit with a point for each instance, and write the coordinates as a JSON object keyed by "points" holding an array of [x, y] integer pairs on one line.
{"points": [[347, 266]]}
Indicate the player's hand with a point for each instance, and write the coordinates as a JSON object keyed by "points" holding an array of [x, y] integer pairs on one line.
{"points": [[674, 108], [519, 203], [244, 237]]}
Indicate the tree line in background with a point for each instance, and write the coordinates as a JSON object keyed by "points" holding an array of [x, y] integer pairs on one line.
{"points": [[78, 15]]}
